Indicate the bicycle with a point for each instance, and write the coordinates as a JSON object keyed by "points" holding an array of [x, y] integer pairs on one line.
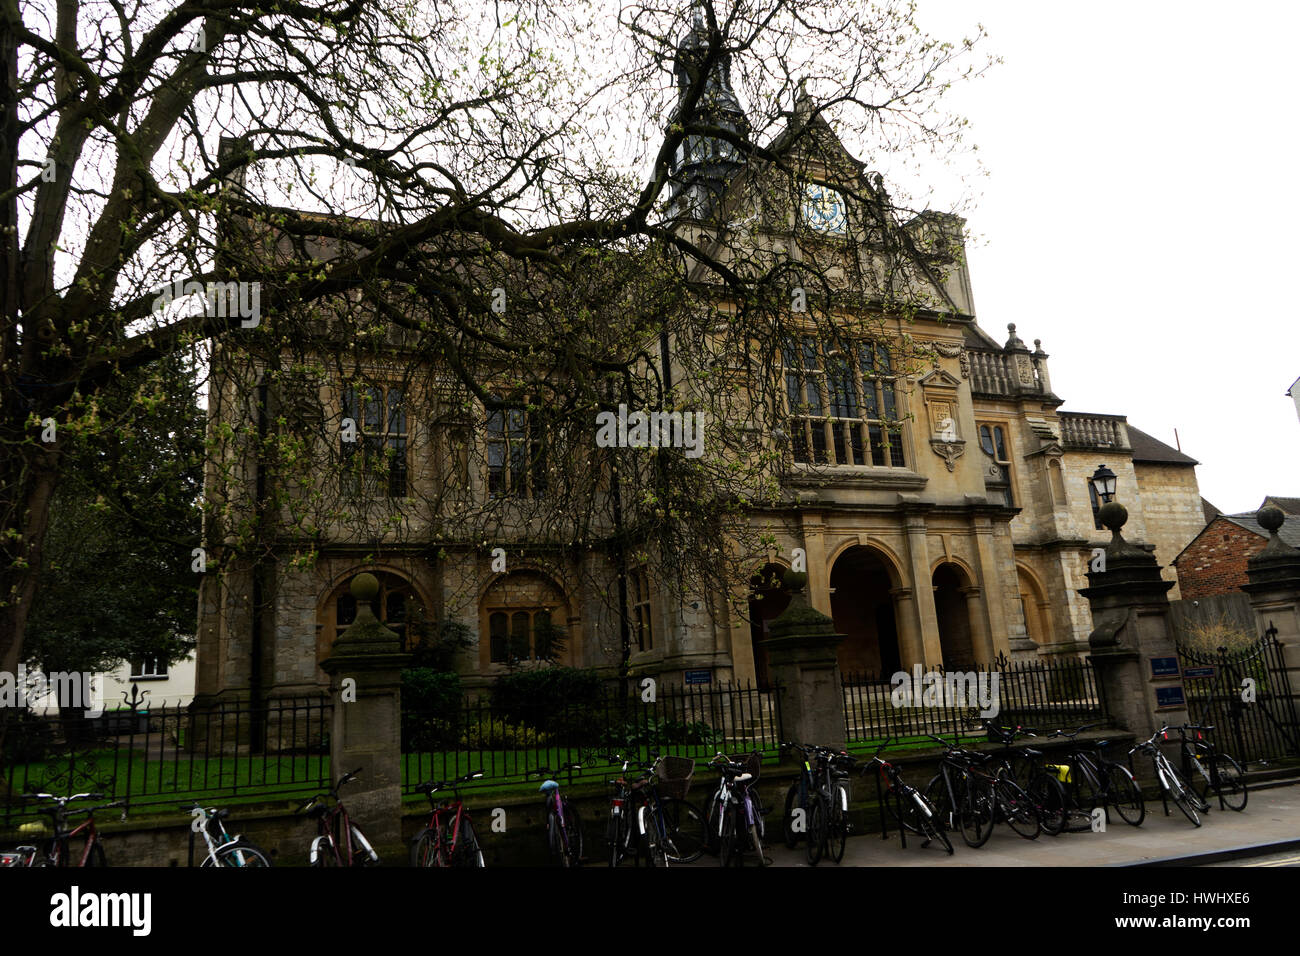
{"points": [[563, 824], [828, 828], [340, 842], [735, 816], [798, 799], [1172, 785], [1026, 769], [911, 810], [669, 828], [223, 849], [1213, 770], [57, 850], [1091, 781], [449, 839]]}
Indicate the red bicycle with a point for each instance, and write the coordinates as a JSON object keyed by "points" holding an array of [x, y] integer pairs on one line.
{"points": [[57, 850], [340, 841], [449, 839]]}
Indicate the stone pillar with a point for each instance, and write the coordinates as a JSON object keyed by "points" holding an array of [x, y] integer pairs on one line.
{"points": [[1130, 608], [911, 651], [918, 557], [365, 668], [803, 657], [981, 641], [1274, 590]]}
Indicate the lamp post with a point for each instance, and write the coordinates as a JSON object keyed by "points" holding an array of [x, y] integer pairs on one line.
{"points": [[1103, 483]]}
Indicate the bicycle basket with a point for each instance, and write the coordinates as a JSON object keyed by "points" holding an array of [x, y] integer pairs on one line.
{"points": [[753, 764], [674, 774]]}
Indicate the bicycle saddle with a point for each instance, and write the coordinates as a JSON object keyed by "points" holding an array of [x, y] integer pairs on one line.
{"points": [[1031, 752], [549, 786]]}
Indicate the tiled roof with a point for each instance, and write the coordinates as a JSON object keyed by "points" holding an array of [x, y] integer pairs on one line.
{"points": [[1289, 532], [1148, 448], [1290, 505], [1209, 511]]}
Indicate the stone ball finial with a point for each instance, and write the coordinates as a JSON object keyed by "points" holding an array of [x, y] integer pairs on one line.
{"points": [[1011, 327], [1270, 518], [365, 588], [1113, 515]]}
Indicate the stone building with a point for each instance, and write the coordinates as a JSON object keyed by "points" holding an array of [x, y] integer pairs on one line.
{"points": [[944, 511]]}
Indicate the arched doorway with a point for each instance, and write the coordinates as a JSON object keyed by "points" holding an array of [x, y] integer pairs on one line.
{"points": [[951, 606], [397, 605], [768, 598], [863, 610]]}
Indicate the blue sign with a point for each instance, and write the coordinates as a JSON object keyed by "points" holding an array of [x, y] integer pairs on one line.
{"points": [[702, 676], [1164, 667], [1170, 697], [1193, 673]]}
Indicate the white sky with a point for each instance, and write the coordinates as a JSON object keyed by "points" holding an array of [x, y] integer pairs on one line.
{"points": [[1142, 217]]}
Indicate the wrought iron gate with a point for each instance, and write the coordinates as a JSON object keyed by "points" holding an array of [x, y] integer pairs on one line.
{"points": [[1246, 695]]}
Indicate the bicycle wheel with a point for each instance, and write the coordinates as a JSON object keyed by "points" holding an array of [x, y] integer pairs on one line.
{"points": [[685, 825], [1232, 783], [837, 825], [1018, 810], [790, 834], [322, 852], [650, 837], [468, 853], [240, 854], [1049, 798], [1124, 794], [1181, 794], [976, 813], [937, 795], [931, 824], [816, 844], [427, 849], [1088, 790], [96, 855], [616, 836], [728, 852]]}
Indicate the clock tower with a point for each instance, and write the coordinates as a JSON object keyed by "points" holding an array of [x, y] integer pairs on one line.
{"points": [[703, 165]]}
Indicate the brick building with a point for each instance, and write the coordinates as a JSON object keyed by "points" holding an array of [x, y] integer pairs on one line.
{"points": [[1215, 560]]}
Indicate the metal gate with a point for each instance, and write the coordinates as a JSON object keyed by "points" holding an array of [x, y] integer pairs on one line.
{"points": [[1246, 695]]}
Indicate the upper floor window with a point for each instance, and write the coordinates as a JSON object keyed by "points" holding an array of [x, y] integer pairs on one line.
{"points": [[993, 441], [642, 627], [516, 453], [375, 443], [843, 405]]}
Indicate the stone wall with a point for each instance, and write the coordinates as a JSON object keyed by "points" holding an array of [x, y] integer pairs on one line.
{"points": [[1171, 505]]}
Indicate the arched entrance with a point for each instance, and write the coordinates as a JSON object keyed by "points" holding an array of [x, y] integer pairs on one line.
{"points": [[767, 599], [951, 587], [863, 610]]}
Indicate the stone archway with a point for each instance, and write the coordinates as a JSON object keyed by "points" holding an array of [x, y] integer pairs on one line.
{"points": [[952, 590], [1037, 610], [767, 599], [862, 606]]}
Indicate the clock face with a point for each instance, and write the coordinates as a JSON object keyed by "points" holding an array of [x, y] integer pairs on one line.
{"points": [[823, 209]]}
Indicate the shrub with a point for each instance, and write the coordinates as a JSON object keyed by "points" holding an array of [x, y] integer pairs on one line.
{"points": [[499, 735], [431, 709], [561, 701], [653, 733]]}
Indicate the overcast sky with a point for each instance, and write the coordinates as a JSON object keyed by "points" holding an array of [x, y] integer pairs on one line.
{"points": [[1142, 217]]}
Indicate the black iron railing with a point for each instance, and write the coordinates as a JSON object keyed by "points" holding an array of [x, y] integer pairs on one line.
{"points": [[688, 721], [147, 757], [1045, 694]]}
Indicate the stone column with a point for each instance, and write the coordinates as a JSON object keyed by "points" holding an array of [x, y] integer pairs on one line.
{"points": [[1130, 608], [1274, 589], [365, 668], [803, 657], [918, 556], [911, 651], [981, 641]]}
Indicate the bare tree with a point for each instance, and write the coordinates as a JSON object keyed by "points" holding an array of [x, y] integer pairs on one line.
{"points": [[547, 209]]}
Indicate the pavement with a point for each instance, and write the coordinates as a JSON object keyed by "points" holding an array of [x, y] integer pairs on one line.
{"points": [[1271, 816]]}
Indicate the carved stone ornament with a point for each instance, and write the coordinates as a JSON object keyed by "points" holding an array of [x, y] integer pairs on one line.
{"points": [[949, 451], [948, 350]]}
